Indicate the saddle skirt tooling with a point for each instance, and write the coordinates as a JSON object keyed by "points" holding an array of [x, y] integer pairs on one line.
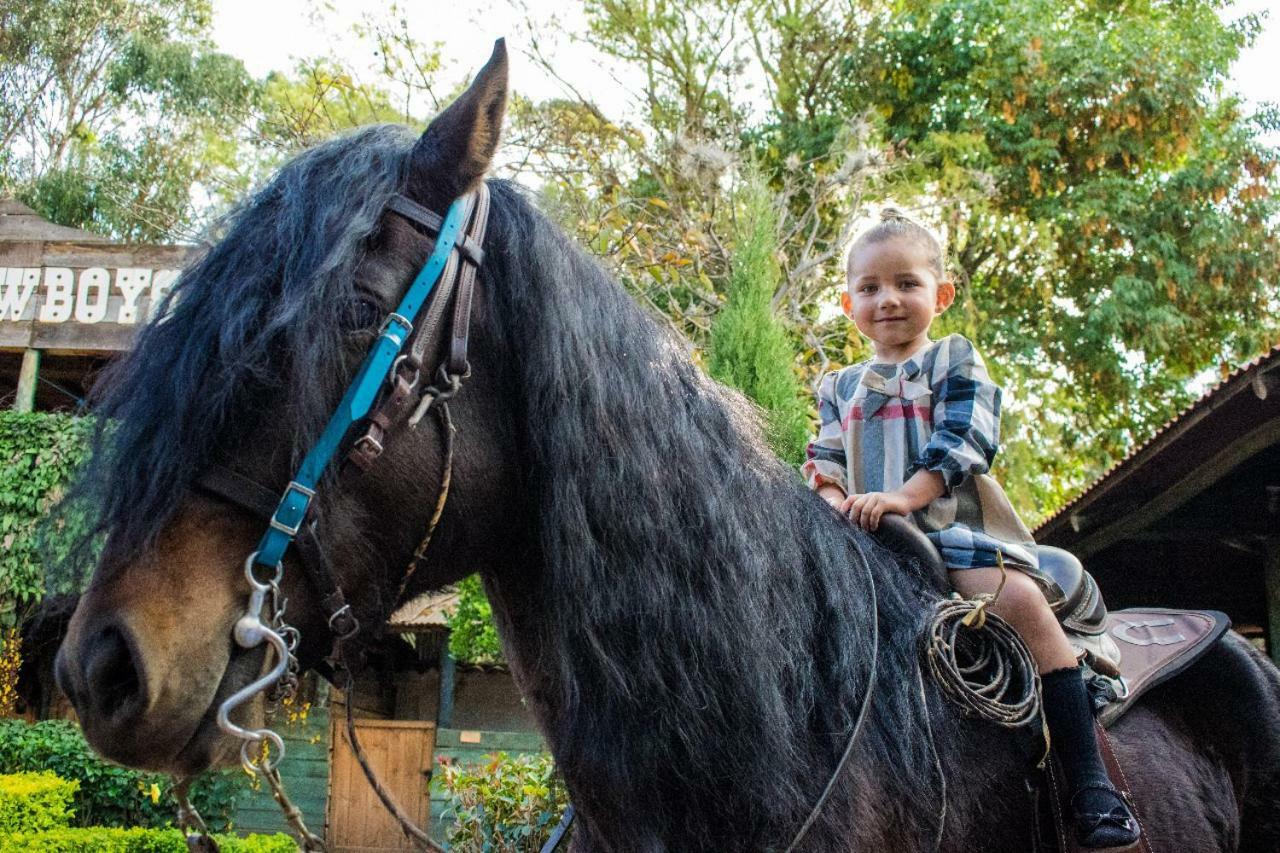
{"points": [[1155, 645]]}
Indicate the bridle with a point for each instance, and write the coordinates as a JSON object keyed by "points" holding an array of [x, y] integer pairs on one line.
{"points": [[398, 357]]}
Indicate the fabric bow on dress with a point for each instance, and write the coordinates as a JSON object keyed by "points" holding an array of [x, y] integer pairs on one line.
{"points": [[881, 390]]}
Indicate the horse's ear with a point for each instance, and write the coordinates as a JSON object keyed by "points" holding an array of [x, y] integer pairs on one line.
{"points": [[455, 151]]}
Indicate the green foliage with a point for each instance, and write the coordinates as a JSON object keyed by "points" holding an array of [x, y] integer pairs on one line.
{"points": [[509, 805], [134, 840], [113, 111], [34, 802], [749, 348], [1111, 210], [38, 453], [472, 635], [109, 795]]}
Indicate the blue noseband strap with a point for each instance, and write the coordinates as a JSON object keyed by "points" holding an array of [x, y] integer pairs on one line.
{"points": [[292, 509]]}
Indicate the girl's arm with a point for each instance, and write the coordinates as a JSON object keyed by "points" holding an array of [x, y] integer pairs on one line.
{"points": [[920, 490], [966, 416], [825, 469]]}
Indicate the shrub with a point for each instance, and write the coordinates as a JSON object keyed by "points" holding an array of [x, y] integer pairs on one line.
{"points": [[509, 805], [135, 840], [473, 638], [109, 795], [35, 801]]}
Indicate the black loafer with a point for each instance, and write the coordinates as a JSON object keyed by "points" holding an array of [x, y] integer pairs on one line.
{"points": [[1115, 830]]}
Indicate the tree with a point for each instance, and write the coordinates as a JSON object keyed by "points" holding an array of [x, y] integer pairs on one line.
{"points": [[1111, 207], [749, 347], [1111, 211], [113, 110]]}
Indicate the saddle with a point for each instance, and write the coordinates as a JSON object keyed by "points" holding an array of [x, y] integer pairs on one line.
{"points": [[1125, 654], [1157, 644]]}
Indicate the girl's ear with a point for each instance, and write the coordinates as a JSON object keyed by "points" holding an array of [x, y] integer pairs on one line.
{"points": [[846, 304], [946, 295]]}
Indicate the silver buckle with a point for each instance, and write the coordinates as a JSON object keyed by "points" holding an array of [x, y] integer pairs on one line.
{"points": [[276, 524], [393, 316], [368, 441]]}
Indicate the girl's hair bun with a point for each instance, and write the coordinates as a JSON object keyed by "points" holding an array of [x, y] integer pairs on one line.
{"points": [[894, 222]]}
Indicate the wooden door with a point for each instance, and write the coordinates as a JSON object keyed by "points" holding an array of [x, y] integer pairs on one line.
{"points": [[400, 752]]}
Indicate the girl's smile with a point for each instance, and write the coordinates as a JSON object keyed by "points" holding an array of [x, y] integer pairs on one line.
{"points": [[894, 294]]}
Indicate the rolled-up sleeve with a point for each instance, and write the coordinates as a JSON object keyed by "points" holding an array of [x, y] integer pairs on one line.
{"points": [[966, 415], [826, 456]]}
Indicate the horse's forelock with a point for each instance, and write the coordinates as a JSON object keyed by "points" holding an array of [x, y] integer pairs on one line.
{"points": [[250, 331]]}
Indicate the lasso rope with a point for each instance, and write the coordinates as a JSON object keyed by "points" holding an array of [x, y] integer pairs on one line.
{"points": [[980, 663]]}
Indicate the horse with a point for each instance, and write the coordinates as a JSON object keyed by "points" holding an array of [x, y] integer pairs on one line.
{"points": [[694, 631]]}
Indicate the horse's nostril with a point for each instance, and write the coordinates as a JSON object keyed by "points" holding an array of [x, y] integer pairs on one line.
{"points": [[112, 682]]}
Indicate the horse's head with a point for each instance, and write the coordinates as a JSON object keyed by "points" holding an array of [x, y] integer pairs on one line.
{"points": [[260, 339]]}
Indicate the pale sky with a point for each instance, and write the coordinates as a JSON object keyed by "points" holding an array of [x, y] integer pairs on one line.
{"points": [[271, 34]]}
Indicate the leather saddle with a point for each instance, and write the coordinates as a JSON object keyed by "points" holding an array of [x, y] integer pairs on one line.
{"points": [[1076, 600], [1130, 651]]}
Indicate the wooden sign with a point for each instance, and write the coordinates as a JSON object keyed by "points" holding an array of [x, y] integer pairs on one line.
{"points": [[81, 297]]}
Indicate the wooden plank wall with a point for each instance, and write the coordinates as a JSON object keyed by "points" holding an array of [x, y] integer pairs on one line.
{"points": [[305, 772]]}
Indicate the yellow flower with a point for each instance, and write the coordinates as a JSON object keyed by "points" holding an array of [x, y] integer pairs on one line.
{"points": [[155, 794]]}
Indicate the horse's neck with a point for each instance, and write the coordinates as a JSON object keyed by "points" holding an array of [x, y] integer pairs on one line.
{"points": [[885, 755]]}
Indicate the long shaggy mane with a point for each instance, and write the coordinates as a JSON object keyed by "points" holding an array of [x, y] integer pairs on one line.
{"points": [[250, 334], [704, 631]]}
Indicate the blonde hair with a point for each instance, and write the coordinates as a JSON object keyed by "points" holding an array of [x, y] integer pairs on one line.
{"points": [[895, 223]]}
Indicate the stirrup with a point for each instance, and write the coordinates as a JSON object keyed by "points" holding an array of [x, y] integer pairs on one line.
{"points": [[1114, 830]]}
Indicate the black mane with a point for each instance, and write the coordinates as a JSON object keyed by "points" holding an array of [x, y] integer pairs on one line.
{"points": [[704, 614], [265, 303]]}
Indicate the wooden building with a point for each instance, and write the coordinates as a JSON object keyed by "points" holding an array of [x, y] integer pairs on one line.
{"points": [[1192, 517], [69, 299]]}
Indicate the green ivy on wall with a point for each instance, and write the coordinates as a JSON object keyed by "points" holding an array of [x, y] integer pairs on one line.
{"points": [[38, 453]]}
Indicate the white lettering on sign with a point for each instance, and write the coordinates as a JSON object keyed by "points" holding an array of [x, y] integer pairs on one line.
{"points": [[124, 296], [131, 282], [92, 295], [16, 287], [59, 295], [161, 283]]}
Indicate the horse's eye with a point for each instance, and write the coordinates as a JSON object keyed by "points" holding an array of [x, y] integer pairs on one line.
{"points": [[361, 312]]}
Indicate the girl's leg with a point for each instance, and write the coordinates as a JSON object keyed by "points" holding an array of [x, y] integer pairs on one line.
{"points": [[1102, 819]]}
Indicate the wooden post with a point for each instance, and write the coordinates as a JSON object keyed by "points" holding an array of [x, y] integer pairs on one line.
{"points": [[444, 712], [1272, 579], [28, 377]]}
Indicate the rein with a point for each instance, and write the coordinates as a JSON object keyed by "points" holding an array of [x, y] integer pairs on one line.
{"points": [[397, 357]]}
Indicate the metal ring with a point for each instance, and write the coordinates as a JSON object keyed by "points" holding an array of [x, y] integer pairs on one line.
{"points": [[250, 562], [395, 368]]}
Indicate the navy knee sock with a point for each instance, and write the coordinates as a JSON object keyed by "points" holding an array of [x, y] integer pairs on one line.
{"points": [[1069, 714]]}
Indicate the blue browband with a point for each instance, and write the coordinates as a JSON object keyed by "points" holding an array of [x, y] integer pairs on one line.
{"points": [[396, 328]]}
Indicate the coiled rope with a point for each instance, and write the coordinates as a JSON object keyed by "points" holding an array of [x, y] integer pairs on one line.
{"points": [[980, 663]]}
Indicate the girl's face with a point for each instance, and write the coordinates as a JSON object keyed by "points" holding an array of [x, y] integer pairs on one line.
{"points": [[894, 294]]}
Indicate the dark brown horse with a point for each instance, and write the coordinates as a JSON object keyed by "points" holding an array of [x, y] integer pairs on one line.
{"points": [[691, 627]]}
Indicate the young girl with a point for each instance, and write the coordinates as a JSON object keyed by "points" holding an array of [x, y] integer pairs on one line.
{"points": [[913, 431]]}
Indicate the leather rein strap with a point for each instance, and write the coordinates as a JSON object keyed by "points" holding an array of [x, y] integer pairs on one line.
{"points": [[389, 409], [294, 518]]}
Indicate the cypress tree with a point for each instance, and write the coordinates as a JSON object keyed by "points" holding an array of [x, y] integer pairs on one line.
{"points": [[749, 347]]}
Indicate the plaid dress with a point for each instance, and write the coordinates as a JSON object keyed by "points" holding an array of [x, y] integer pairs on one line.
{"points": [[939, 410]]}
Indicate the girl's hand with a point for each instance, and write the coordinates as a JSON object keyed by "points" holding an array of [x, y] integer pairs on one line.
{"points": [[865, 510]]}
